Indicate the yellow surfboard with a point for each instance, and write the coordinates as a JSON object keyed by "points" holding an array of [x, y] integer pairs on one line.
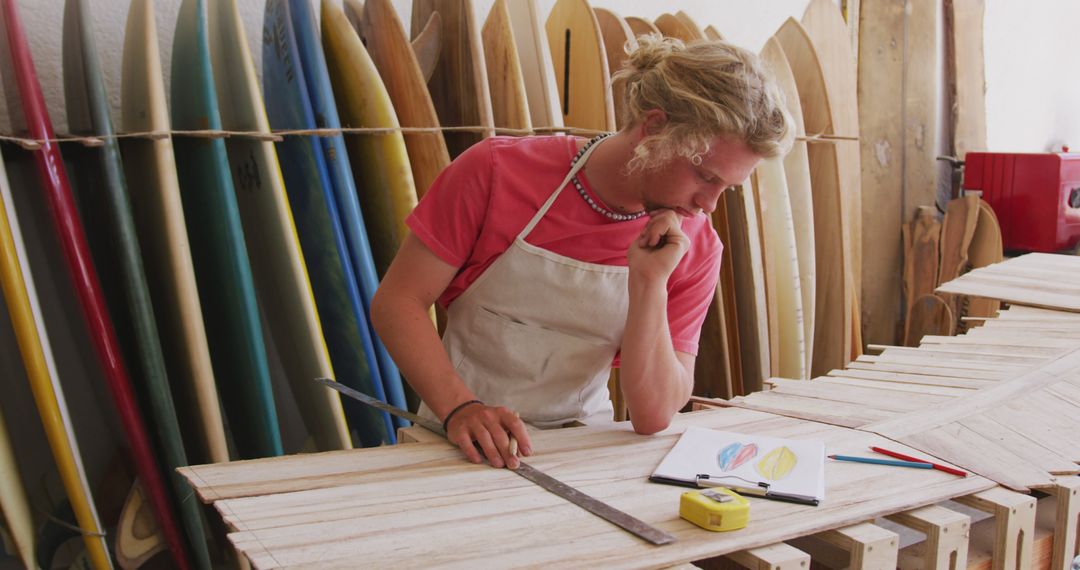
{"points": [[280, 273], [380, 161], [20, 295]]}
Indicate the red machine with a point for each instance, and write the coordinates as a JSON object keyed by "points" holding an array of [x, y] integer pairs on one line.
{"points": [[1036, 197]]}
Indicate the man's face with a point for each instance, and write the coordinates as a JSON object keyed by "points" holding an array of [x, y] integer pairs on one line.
{"points": [[689, 189]]}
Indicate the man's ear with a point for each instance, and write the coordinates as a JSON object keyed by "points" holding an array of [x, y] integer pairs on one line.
{"points": [[653, 123]]}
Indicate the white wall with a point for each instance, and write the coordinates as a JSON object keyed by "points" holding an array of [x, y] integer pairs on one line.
{"points": [[1032, 84]]}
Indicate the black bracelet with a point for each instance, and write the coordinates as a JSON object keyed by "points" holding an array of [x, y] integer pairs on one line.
{"points": [[446, 422]]}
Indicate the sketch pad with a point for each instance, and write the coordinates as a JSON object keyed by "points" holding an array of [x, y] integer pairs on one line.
{"points": [[791, 467]]}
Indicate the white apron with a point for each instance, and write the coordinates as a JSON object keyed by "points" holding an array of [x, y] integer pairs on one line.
{"points": [[537, 331]]}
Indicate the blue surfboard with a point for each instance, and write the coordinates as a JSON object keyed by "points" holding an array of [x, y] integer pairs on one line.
{"points": [[322, 238], [326, 116]]}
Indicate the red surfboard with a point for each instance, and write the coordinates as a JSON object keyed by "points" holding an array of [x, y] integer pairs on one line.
{"points": [[76, 252]]}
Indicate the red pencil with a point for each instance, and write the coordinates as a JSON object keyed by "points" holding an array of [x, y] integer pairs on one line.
{"points": [[910, 458]]}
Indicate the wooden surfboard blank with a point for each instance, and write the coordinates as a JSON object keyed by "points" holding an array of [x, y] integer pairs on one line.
{"points": [[779, 246], [832, 319], [829, 33], [797, 174], [897, 119], [768, 269], [618, 40], [930, 315], [534, 54], [922, 251], [642, 27], [388, 45], [986, 249], [749, 286], [712, 33], [673, 27], [459, 85], [690, 25], [581, 67], [509, 106]]}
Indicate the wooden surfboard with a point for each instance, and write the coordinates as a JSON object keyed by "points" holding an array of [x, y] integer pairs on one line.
{"points": [[20, 295], [541, 89], [324, 105], [797, 175], [749, 286], [459, 85], [618, 40], [510, 108], [832, 312], [673, 26], [779, 246], [689, 23], [712, 33], [388, 45], [281, 276], [581, 68], [27, 107], [103, 199], [922, 250], [829, 33], [985, 249], [768, 267], [219, 250], [897, 92], [159, 218], [642, 27], [319, 226]]}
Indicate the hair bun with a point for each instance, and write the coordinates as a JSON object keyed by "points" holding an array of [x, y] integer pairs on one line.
{"points": [[651, 51]]}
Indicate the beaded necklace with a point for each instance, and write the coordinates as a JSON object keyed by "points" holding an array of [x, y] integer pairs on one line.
{"points": [[594, 204]]}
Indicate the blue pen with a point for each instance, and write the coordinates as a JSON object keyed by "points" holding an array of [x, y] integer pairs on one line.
{"points": [[893, 462]]}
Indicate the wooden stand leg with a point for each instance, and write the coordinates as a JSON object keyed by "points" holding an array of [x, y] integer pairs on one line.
{"points": [[947, 533], [871, 547], [1014, 535], [1067, 525]]}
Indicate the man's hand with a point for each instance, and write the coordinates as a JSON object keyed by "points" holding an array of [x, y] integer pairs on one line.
{"points": [[659, 248], [477, 428]]}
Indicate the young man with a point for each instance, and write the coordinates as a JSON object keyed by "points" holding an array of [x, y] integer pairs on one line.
{"points": [[557, 256]]}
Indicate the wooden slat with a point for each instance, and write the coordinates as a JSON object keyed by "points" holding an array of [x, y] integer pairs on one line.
{"points": [[1067, 522], [872, 547], [773, 557]]}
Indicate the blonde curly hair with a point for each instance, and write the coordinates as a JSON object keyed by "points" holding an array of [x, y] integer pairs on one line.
{"points": [[706, 89]]}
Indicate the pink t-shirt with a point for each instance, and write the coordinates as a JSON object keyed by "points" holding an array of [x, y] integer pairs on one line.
{"points": [[478, 205]]}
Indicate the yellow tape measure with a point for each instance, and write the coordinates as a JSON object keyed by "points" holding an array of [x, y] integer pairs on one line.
{"points": [[715, 509]]}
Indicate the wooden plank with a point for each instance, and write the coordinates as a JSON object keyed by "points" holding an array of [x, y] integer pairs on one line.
{"points": [[897, 121], [965, 74], [986, 249], [1014, 515], [957, 229], [896, 386], [928, 315], [921, 253], [946, 531]]}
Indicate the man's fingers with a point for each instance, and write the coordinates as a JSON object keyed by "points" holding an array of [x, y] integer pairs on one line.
{"points": [[491, 451], [465, 441]]}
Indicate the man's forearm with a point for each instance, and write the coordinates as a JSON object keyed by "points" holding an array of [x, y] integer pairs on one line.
{"points": [[654, 381], [404, 325]]}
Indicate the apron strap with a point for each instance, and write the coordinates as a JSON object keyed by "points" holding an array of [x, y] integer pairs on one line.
{"points": [[551, 199]]}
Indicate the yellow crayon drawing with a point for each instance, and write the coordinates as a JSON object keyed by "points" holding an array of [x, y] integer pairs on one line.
{"points": [[777, 464]]}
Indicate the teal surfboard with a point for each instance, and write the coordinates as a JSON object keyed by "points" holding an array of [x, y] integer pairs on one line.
{"points": [[323, 104], [103, 199], [322, 238], [218, 250]]}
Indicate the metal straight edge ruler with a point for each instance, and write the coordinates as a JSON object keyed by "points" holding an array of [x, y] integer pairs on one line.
{"points": [[595, 506]]}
